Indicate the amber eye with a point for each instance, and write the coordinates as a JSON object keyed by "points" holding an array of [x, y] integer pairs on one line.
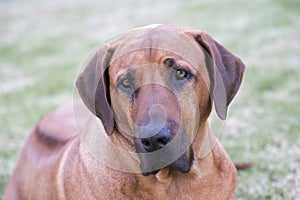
{"points": [[181, 74], [126, 83]]}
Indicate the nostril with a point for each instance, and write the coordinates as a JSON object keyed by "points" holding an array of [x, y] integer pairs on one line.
{"points": [[153, 144], [163, 141], [157, 141], [146, 143]]}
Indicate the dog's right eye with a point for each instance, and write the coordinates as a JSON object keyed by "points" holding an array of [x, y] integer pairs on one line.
{"points": [[126, 85]]}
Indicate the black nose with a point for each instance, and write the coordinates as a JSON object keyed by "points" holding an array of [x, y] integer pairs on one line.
{"points": [[157, 141]]}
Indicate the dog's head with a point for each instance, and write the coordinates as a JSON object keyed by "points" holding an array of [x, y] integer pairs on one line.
{"points": [[156, 85]]}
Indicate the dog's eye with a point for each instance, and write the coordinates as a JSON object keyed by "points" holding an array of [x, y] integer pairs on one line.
{"points": [[181, 75], [126, 85]]}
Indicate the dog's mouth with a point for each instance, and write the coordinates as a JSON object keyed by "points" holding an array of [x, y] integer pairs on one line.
{"points": [[183, 164]]}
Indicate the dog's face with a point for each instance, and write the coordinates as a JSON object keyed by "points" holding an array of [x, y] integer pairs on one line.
{"points": [[159, 90], [159, 98]]}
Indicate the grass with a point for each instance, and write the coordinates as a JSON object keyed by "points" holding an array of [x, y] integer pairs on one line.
{"points": [[43, 44]]}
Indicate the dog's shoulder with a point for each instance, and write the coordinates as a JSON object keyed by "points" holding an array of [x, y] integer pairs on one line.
{"points": [[57, 128]]}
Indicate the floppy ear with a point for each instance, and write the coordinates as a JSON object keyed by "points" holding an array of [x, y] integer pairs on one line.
{"points": [[226, 72], [93, 87]]}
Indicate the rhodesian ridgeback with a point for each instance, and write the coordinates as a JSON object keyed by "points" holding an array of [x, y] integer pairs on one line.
{"points": [[154, 89]]}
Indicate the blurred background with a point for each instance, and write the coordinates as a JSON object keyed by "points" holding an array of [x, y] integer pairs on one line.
{"points": [[44, 43]]}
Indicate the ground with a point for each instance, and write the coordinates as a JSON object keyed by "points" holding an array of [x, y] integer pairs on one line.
{"points": [[44, 43]]}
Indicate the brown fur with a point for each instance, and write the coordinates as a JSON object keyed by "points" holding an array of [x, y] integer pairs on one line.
{"points": [[54, 164]]}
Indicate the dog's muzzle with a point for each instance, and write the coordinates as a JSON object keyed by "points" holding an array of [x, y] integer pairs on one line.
{"points": [[161, 144]]}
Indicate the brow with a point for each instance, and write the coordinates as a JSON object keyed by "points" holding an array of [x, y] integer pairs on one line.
{"points": [[126, 73], [178, 66]]}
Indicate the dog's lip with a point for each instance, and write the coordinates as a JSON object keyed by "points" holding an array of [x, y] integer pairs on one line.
{"points": [[151, 173], [166, 169], [180, 160], [152, 170], [181, 164]]}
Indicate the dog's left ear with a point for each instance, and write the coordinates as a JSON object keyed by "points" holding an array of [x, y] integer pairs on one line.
{"points": [[93, 87], [226, 71]]}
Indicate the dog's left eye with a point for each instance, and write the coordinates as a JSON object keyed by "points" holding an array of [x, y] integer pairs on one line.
{"points": [[182, 75]]}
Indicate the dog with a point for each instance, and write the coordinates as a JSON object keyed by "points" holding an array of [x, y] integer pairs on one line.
{"points": [[141, 128]]}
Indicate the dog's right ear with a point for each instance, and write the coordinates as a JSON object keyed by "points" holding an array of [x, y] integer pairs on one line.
{"points": [[93, 87]]}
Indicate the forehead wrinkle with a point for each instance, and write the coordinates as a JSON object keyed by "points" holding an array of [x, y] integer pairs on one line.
{"points": [[120, 66], [153, 74], [159, 37]]}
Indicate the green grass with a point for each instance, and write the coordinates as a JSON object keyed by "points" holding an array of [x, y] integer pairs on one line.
{"points": [[43, 44]]}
